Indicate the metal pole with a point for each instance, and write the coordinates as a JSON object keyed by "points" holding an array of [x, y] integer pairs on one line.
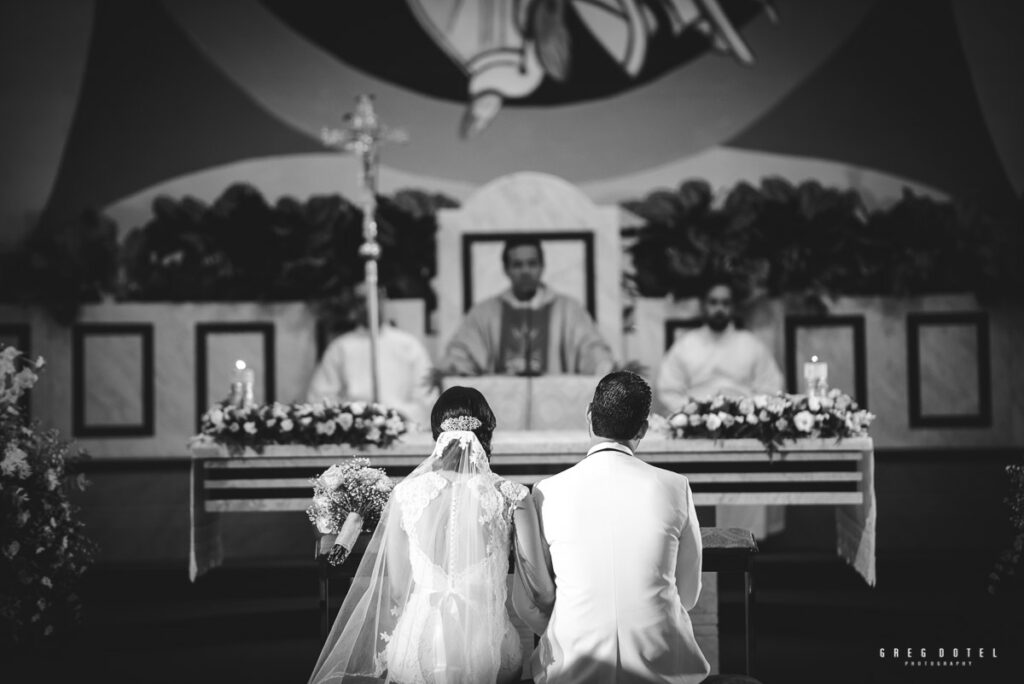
{"points": [[363, 135]]}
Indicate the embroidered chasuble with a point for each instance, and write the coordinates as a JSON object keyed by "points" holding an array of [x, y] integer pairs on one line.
{"points": [[522, 349], [550, 334]]}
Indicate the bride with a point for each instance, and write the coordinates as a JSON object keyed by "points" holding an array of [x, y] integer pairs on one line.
{"points": [[427, 603]]}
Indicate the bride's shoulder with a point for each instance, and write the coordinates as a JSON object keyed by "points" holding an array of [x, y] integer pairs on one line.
{"points": [[429, 482], [511, 490]]}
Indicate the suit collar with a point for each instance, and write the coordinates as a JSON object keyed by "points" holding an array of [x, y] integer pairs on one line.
{"points": [[610, 446]]}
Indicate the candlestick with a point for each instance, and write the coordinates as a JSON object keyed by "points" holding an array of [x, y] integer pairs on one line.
{"points": [[816, 377], [242, 387]]}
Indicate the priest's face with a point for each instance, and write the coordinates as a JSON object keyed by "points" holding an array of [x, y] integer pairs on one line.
{"points": [[523, 266], [718, 307]]}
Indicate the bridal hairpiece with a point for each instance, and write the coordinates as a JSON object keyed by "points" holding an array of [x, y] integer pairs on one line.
{"points": [[461, 423]]}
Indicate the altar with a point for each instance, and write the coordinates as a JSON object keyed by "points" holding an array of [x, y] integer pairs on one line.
{"points": [[814, 472]]}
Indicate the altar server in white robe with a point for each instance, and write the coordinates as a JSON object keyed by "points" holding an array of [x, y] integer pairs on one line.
{"points": [[624, 555], [527, 330], [718, 358], [343, 373]]}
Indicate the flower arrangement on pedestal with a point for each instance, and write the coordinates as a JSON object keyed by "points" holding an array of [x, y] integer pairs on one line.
{"points": [[348, 499], [772, 419], [43, 550], [355, 423]]}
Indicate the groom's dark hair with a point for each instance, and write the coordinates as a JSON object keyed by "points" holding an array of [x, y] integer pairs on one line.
{"points": [[621, 405]]}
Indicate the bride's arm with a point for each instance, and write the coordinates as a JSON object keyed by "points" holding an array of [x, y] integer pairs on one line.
{"points": [[533, 585], [396, 545]]}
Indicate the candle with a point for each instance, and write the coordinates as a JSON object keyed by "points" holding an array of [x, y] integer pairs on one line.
{"points": [[244, 375], [816, 377], [244, 380]]}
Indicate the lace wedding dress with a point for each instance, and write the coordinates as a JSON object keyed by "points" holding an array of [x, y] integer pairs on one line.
{"points": [[428, 601]]}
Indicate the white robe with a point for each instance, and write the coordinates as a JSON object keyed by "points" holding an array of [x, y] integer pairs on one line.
{"points": [[626, 553], [343, 373], [703, 363]]}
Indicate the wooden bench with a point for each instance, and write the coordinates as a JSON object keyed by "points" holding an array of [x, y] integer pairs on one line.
{"points": [[725, 550]]}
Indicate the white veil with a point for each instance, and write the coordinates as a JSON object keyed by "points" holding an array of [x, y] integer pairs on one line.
{"points": [[427, 600]]}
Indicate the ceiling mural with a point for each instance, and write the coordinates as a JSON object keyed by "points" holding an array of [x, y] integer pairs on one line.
{"points": [[494, 53], [619, 95]]}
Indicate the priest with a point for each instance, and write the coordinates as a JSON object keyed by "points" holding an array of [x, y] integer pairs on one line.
{"points": [[528, 329]]}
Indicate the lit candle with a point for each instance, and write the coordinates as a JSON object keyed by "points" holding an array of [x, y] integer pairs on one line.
{"points": [[245, 378], [244, 375], [816, 377]]}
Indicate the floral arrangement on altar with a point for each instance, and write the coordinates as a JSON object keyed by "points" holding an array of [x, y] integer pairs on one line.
{"points": [[43, 550], [348, 498], [1005, 574], [772, 419], [355, 423]]}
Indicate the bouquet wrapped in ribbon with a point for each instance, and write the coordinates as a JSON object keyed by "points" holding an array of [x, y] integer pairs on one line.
{"points": [[347, 499]]}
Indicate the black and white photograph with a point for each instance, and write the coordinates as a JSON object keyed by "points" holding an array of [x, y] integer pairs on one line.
{"points": [[512, 341]]}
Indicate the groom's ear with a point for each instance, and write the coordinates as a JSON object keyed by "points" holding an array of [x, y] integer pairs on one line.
{"points": [[642, 432]]}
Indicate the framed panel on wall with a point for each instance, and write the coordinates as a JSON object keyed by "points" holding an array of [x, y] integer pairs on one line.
{"points": [[218, 347], [112, 380], [949, 370], [839, 341], [19, 336], [483, 270]]}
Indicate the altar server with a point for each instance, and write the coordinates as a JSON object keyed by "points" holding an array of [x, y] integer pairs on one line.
{"points": [[343, 373], [718, 358]]}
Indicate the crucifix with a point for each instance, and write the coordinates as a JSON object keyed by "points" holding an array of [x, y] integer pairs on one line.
{"points": [[363, 134]]}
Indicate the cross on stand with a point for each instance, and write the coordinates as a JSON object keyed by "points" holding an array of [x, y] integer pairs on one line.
{"points": [[363, 134]]}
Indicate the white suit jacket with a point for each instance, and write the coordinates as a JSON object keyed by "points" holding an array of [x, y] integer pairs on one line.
{"points": [[625, 549]]}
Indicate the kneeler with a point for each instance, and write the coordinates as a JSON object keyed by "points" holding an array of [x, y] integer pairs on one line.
{"points": [[725, 550]]}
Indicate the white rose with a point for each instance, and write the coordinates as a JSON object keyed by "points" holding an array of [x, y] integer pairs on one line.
{"points": [[752, 419], [373, 434], [746, 406], [357, 408], [760, 401], [287, 425], [323, 525], [726, 418], [696, 420], [713, 422], [332, 477], [803, 421], [250, 427], [217, 417], [345, 420], [326, 428], [679, 420], [814, 404]]}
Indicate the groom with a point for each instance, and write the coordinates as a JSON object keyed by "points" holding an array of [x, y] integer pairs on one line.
{"points": [[622, 546]]}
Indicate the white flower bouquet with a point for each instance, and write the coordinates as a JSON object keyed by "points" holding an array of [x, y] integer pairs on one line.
{"points": [[356, 424], [770, 418], [348, 498]]}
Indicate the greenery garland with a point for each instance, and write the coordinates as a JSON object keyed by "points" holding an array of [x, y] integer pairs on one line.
{"points": [[774, 239], [781, 238]]}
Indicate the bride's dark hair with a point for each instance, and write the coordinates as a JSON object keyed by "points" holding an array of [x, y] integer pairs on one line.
{"points": [[464, 401]]}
